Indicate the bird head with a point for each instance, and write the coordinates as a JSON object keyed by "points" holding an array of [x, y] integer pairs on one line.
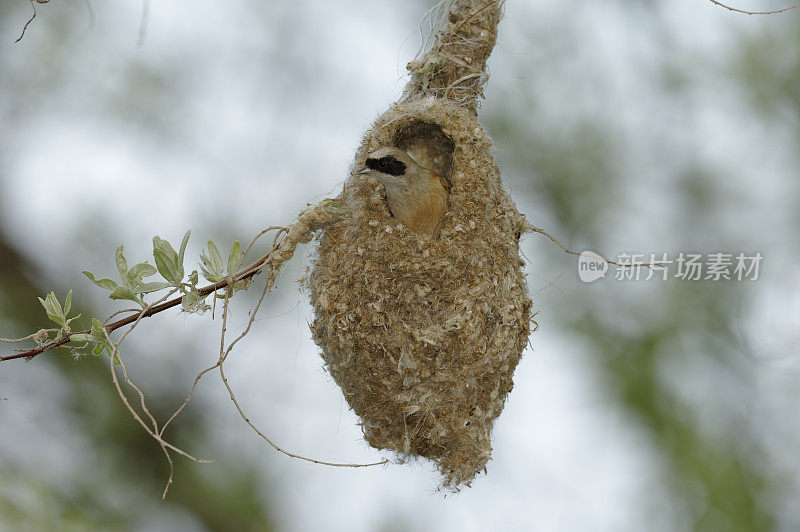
{"points": [[391, 166]]}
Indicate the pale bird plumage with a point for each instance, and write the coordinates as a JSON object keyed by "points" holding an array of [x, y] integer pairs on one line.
{"points": [[417, 196]]}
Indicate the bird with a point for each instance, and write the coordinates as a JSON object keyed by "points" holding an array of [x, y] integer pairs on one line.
{"points": [[417, 196]]}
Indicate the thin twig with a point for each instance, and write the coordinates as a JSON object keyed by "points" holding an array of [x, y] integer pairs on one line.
{"points": [[143, 24], [33, 4], [138, 317], [38, 334], [566, 250], [141, 393], [115, 355], [774, 12], [90, 7], [123, 311], [224, 354], [259, 235], [188, 397], [155, 434]]}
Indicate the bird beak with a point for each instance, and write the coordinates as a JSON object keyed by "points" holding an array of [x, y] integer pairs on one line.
{"points": [[363, 171]]}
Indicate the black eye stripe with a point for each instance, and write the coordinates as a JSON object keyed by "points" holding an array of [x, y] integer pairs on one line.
{"points": [[388, 165]]}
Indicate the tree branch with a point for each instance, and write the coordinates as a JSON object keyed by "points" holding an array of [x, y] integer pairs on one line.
{"points": [[312, 219], [774, 12]]}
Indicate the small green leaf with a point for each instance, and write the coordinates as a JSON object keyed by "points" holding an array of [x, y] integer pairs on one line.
{"points": [[98, 332], [234, 258], [166, 266], [215, 257], [53, 309], [182, 252], [81, 337], [48, 310], [122, 264], [53, 300], [98, 349], [190, 301], [108, 284], [138, 271], [211, 263], [166, 248], [68, 303], [123, 292], [207, 273]]}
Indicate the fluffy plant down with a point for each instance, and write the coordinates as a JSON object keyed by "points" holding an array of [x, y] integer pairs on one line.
{"points": [[423, 333]]}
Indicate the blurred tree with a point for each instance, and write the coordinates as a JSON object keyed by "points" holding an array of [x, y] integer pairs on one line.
{"points": [[128, 463], [578, 168], [230, 499]]}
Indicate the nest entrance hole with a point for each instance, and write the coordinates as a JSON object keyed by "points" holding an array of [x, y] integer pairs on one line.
{"points": [[428, 144]]}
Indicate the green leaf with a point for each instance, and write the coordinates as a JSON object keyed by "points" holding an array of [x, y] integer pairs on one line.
{"points": [[182, 252], [169, 264], [166, 267], [98, 335], [123, 292], [107, 284], [53, 301], [53, 309], [216, 258], [48, 310], [211, 263], [81, 337], [190, 301], [207, 273], [68, 303], [138, 271], [234, 258], [122, 264], [166, 248], [98, 349]]}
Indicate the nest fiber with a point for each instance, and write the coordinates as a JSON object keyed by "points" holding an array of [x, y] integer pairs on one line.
{"points": [[423, 332]]}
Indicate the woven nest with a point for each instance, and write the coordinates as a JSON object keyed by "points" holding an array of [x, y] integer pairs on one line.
{"points": [[423, 333]]}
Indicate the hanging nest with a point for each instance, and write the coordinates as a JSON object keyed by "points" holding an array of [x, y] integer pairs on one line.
{"points": [[423, 332]]}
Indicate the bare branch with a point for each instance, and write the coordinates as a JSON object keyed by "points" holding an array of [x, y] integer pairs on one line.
{"points": [[774, 12], [144, 22], [541, 231], [21, 35]]}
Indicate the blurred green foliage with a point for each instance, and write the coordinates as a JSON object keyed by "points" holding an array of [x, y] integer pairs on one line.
{"points": [[716, 468], [718, 472]]}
